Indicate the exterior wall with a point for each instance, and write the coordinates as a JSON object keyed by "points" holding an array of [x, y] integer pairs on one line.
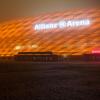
{"points": [[20, 36]]}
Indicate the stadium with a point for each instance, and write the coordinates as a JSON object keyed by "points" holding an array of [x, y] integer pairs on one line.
{"points": [[71, 32], [50, 50]]}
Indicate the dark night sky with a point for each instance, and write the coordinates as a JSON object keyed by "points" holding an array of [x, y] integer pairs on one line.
{"points": [[11, 9]]}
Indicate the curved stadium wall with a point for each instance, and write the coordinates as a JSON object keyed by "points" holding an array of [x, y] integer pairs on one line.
{"points": [[21, 36]]}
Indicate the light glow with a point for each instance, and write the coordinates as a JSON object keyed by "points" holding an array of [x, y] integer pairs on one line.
{"points": [[96, 52], [17, 47], [34, 46]]}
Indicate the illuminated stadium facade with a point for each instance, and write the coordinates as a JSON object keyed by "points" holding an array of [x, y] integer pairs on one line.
{"points": [[72, 32]]}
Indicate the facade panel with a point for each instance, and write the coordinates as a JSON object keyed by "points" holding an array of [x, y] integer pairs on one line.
{"points": [[62, 33]]}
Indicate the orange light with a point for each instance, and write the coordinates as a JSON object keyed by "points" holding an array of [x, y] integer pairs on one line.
{"points": [[20, 36]]}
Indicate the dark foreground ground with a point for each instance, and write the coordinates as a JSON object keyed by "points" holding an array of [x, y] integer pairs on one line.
{"points": [[50, 81]]}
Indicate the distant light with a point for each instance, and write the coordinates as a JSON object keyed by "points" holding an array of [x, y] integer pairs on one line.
{"points": [[96, 51], [34, 46], [17, 48], [65, 55], [62, 24]]}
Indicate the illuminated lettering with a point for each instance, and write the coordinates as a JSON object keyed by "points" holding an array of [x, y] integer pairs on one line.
{"points": [[62, 24]]}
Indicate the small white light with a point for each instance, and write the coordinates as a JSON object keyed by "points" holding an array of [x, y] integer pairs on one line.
{"points": [[17, 48], [34, 46]]}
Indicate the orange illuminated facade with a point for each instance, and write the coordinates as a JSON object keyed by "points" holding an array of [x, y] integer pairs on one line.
{"points": [[20, 36]]}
